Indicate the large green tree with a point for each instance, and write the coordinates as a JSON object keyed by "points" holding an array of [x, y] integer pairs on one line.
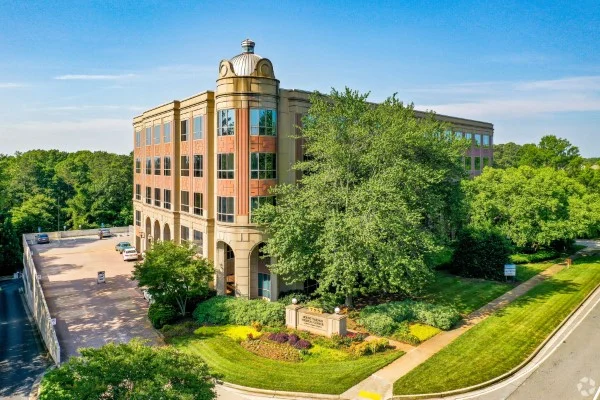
{"points": [[127, 372], [174, 274], [533, 207], [373, 200]]}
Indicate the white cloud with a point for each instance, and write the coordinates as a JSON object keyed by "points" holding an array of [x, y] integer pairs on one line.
{"points": [[10, 85], [579, 83], [109, 134], [90, 77], [83, 107]]}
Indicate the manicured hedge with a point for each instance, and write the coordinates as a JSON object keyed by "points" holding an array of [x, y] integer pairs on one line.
{"points": [[161, 314], [385, 319], [223, 310]]}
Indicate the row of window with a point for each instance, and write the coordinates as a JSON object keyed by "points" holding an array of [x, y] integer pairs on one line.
{"points": [[480, 140], [478, 163], [263, 122], [262, 166], [225, 205], [166, 170]]}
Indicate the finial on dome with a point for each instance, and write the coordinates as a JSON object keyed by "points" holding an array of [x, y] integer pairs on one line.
{"points": [[248, 46]]}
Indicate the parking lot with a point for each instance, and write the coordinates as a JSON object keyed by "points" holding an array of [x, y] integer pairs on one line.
{"points": [[89, 314]]}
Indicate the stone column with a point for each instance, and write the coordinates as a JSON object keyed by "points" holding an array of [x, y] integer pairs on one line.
{"points": [[220, 269], [291, 316], [242, 273]]}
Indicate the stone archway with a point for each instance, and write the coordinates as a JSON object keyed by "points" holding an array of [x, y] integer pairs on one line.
{"points": [[148, 234], [229, 269], [166, 232], [261, 280], [156, 234]]}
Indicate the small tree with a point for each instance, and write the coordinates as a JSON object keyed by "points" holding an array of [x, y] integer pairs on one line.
{"points": [[174, 274], [129, 371], [481, 254]]}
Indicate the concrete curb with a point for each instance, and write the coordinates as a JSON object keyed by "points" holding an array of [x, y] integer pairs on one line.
{"points": [[281, 393], [510, 373]]}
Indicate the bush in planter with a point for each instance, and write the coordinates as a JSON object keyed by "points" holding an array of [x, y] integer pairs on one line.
{"points": [[481, 254], [379, 323], [223, 310], [161, 314]]}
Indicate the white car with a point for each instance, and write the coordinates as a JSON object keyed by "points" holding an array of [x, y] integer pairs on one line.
{"points": [[130, 254]]}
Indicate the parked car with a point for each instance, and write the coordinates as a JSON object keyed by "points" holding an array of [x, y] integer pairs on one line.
{"points": [[104, 232], [130, 254], [122, 246], [42, 238]]}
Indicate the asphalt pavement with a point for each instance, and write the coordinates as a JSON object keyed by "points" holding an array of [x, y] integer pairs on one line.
{"points": [[21, 351]]}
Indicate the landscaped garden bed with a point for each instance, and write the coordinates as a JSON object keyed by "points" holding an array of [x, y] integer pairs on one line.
{"points": [[245, 356], [506, 338]]}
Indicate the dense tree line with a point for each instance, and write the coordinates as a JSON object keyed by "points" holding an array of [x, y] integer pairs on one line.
{"points": [[383, 191], [52, 189]]}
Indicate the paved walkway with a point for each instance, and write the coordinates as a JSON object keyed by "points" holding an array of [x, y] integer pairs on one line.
{"points": [[382, 381]]}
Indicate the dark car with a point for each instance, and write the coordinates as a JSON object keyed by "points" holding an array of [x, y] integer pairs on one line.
{"points": [[105, 232], [42, 238]]}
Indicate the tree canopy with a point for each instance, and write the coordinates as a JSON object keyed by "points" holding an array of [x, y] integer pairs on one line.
{"points": [[129, 371], [51, 189], [373, 200], [174, 274], [533, 207]]}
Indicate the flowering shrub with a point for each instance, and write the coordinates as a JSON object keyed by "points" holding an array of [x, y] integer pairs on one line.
{"points": [[293, 339], [250, 336], [257, 325], [279, 337], [302, 344], [370, 347]]}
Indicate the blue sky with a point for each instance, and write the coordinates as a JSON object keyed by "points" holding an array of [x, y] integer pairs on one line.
{"points": [[74, 74]]}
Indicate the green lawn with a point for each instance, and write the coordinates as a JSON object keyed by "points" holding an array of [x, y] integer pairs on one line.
{"points": [[506, 338], [467, 295], [322, 373]]}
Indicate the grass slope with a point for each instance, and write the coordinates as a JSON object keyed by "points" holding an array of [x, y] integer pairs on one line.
{"points": [[506, 338], [318, 374]]}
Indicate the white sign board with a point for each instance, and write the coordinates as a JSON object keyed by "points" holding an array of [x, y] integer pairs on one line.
{"points": [[101, 277], [510, 270]]}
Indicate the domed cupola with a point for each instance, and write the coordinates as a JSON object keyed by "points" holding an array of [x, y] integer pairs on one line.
{"points": [[247, 64]]}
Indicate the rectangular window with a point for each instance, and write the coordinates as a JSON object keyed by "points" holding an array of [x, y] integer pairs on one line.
{"points": [[263, 166], [263, 122], [157, 134], [198, 241], [157, 197], [138, 166], [225, 166], [138, 218], [167, 166], [148, 195], [477, 140], [256, 202], [156, 165], [185, 165], [225, 209], [138, 191], [138, 138], [167, 199], [225, 122], [148, 166], [468, 163], [486, 140], [185, 201], [477, 164], [198, 128], [468, 136], [198, 203], [198, 165], [167, 132], [264, 285], [185, 234], [458, 134], [486, 162], [148, 136], [184, 130]]}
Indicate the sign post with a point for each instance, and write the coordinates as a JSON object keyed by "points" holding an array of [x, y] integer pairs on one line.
{"points": [[101, 277], [510, 270]]}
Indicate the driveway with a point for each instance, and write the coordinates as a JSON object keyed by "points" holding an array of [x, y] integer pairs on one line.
{"points": [[89, 314], [21, 359]]}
